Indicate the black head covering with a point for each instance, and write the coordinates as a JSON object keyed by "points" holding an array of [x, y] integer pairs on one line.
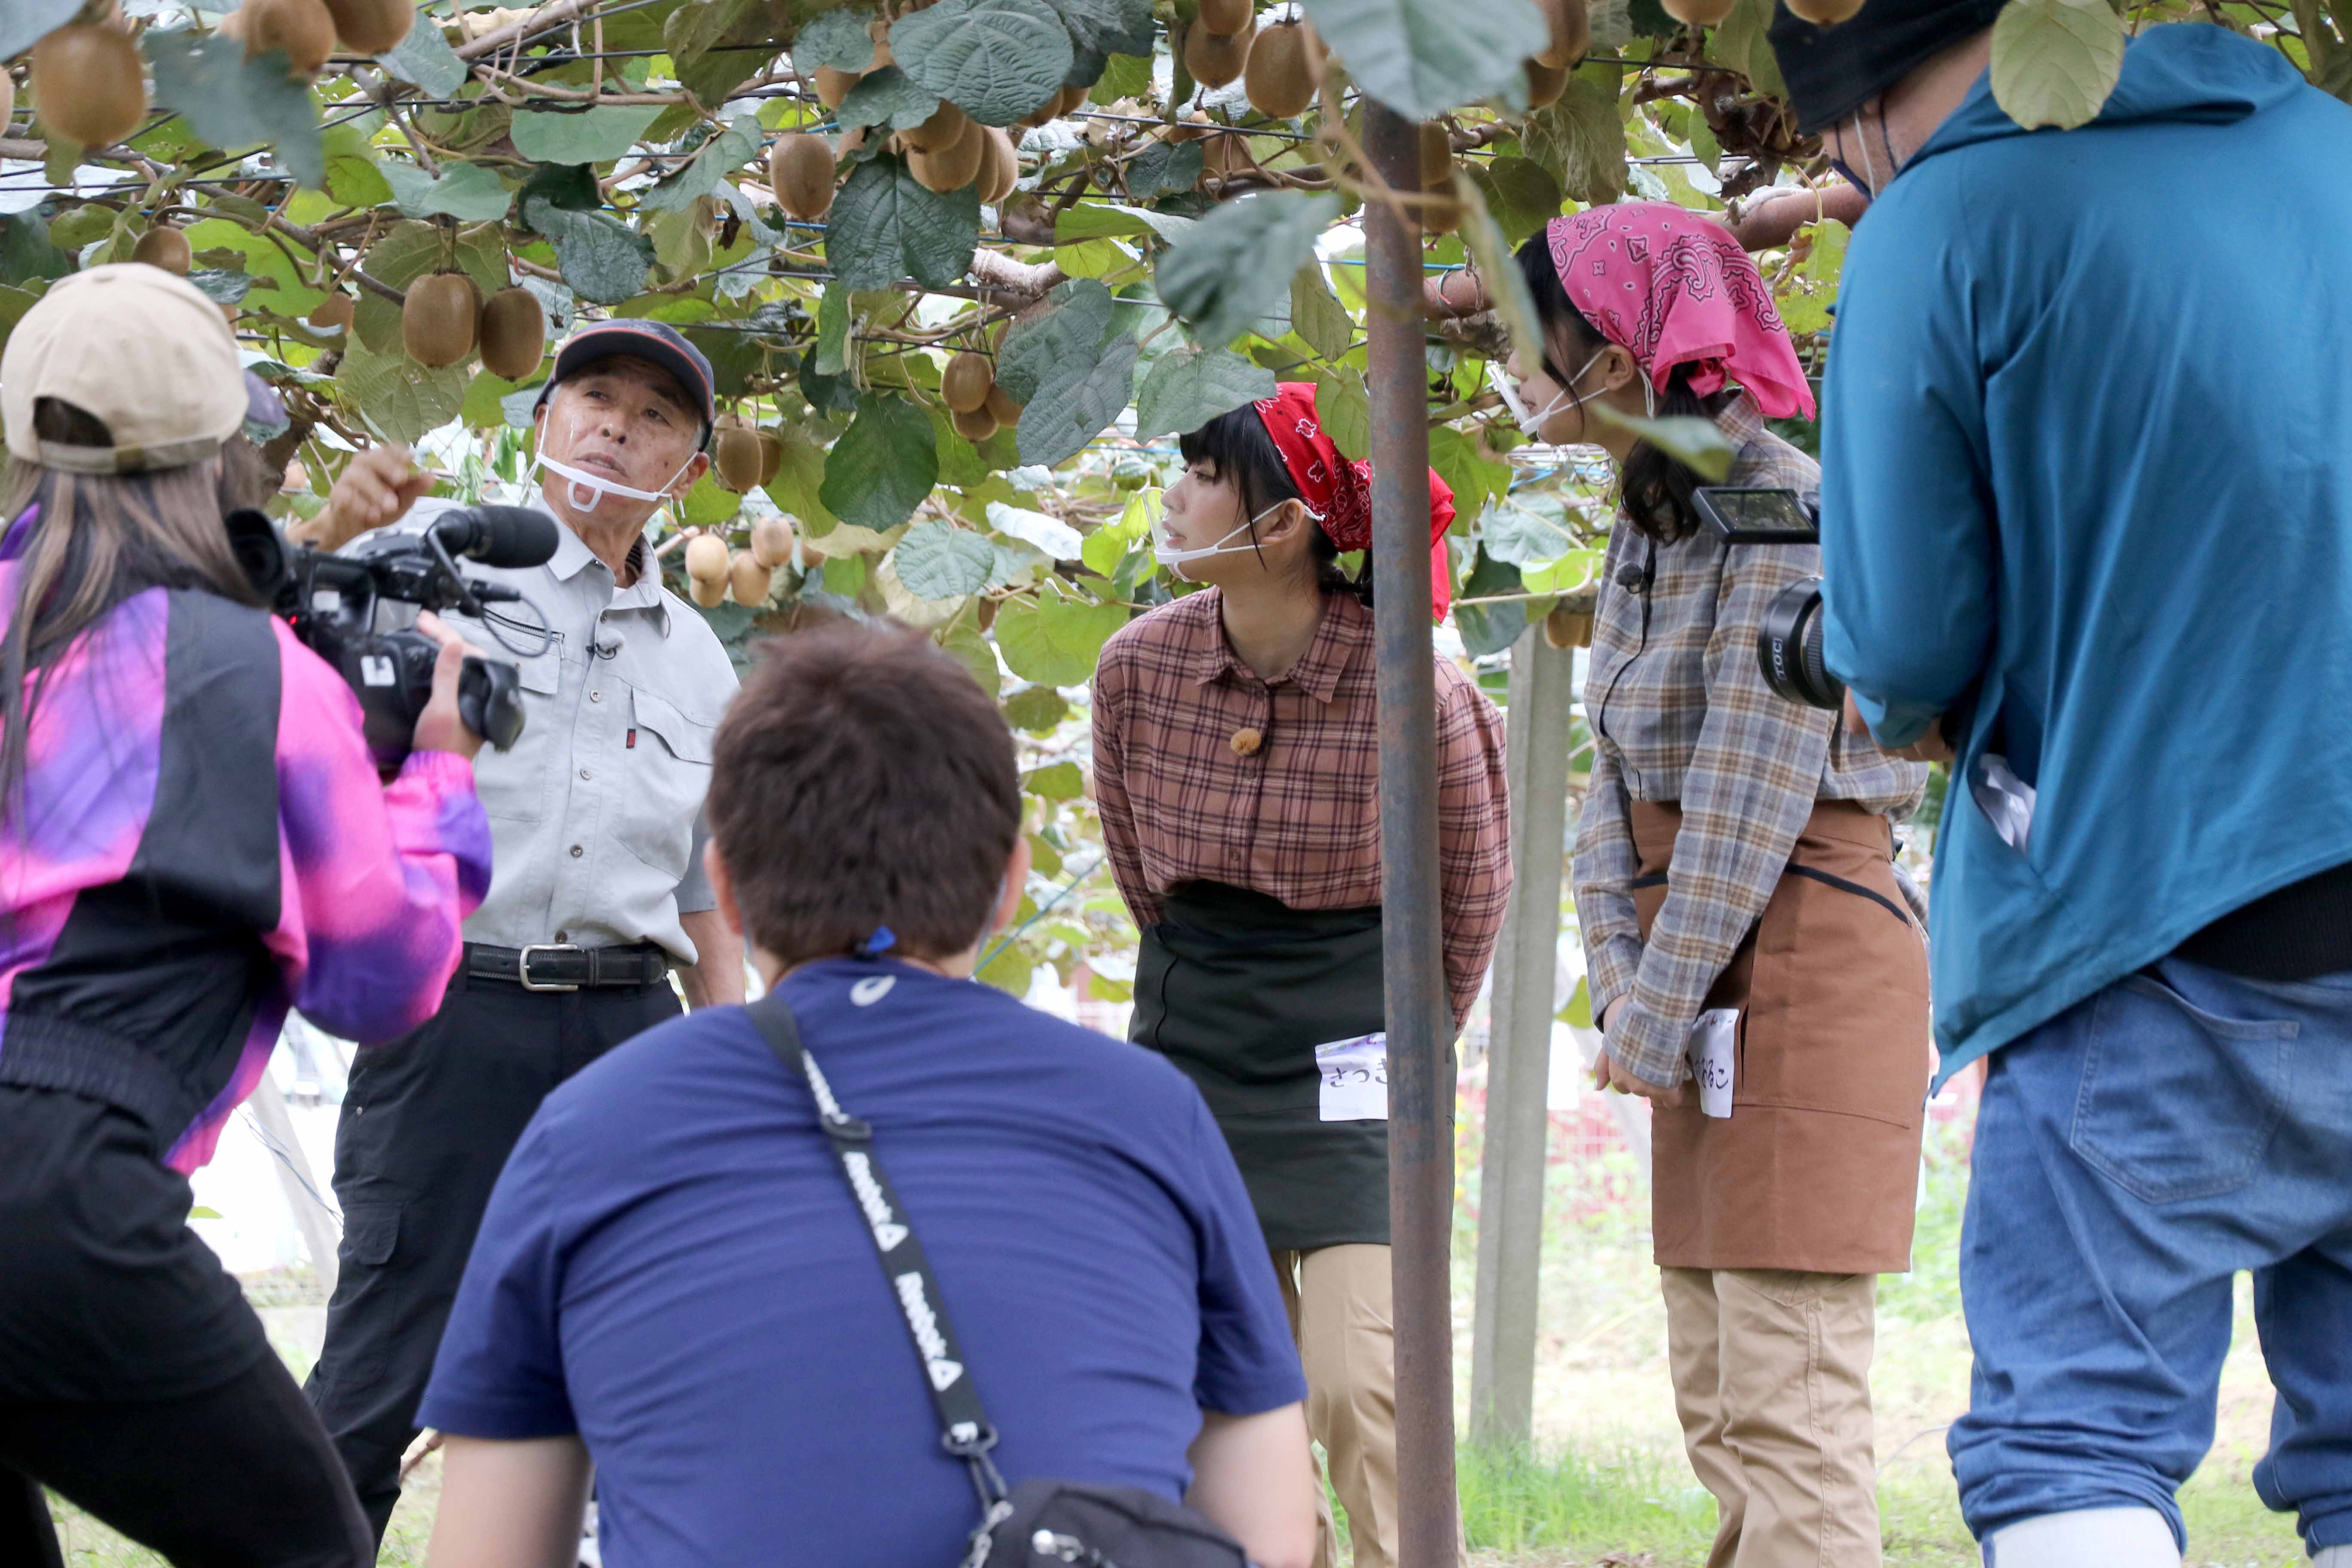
{"points": [[1832, 71]]}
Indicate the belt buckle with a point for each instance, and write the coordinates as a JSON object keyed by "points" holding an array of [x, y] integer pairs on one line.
{"points": [[522, 965]]}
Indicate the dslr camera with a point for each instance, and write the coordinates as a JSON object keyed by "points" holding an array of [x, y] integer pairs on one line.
{"points": [[332, 602], [1788, 642]]}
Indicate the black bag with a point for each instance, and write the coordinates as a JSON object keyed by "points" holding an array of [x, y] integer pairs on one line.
{"points": [[1039, 1522]]}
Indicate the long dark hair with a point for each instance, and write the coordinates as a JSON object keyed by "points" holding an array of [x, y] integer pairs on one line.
{"points": [[1236, 444], [99, 539], [1658, 488]]}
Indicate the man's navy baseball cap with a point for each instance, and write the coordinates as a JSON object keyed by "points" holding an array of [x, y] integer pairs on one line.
{"points": [[653, 341]]}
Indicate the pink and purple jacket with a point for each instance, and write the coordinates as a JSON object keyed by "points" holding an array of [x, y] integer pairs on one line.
{"points": [[201, 842]]}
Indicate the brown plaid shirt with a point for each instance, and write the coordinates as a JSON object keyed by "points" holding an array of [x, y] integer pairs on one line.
{"points": [[1205, 772], [1680, 712]]}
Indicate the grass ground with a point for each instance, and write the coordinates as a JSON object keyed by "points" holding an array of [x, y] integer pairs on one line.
{"points": [[1604, 1482]]}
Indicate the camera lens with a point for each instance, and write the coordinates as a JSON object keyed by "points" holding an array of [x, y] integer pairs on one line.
{"points": [[1788, 647]]}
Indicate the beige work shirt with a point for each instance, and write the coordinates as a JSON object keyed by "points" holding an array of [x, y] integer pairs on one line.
{"points": [[597, 824]]}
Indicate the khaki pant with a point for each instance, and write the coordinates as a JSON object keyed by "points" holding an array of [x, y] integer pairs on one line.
{"points": [[1772, 1382]]}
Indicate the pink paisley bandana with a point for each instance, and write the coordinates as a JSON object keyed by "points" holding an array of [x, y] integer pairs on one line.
{"points": [[1675, 289], [1339, 493]]}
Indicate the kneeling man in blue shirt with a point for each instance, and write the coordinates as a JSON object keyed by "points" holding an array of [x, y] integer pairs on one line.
{"points": [[673, 1282]]}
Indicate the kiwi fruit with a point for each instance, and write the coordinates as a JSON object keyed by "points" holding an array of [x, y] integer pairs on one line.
{"points": [[940, 131], [800, 172], [772, 541], [1572, 33], [954, 166], [1000, 167], [372, 27], [1825, 13], [86, 84], [1565, 627], [706, 559], [164, 246], [772, 458], [1277, 79], [977, 425], [966, 382], [832, 85], [302, 30], [1698, 13], [1436, 157], [437, 323], [999, 403], [1214, 59], [1192, 128], [514, 333], [1545, 84], [1073, 99], [746, 580], [336, 311], [711, 594], [739, 458], [1226, 16]]}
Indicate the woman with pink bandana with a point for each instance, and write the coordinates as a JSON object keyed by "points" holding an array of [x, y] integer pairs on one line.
{"points": [[1735, 884]]}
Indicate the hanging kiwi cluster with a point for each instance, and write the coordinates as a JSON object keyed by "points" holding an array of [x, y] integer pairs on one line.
{"points": [[444, 320], [1285, 67], [305, 31], [977, 406], [946, 153], [1571, 37], [1217, 43]]}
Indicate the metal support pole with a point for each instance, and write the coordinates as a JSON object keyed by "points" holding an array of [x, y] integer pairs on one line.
{"points": [[1420, 1015], [1519, 1050]]}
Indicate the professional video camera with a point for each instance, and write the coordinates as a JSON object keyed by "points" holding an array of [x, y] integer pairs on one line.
{"points": [[332, 603], [1788, 642]]}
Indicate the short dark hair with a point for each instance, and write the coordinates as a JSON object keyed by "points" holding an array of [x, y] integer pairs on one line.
{"points": [[861, 781], [1236, 445]]}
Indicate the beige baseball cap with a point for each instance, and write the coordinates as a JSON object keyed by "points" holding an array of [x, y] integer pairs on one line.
{"points": [[140, 348]]}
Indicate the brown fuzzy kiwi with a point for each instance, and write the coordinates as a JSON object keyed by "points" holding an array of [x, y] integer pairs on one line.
{"points": [[832, 85], [748, 580], [964, 386], [953, 167], [975, 426], [1545, 84], [1073, 99], [940, 131], [1215, 59], [711, 594], [1565, 627], [514, 333], [1572, 33], [437, 325], [999, 403], [772, 540], [372, 27], [739, 458], [1227, 16], [1825, 13], [706, 559], [164, 246], [1276, 78], [1436, 157], [800, 172], [301, 29], [1698, 13], [337, 310], [86, 84], [1000, 167], [772, 458]]}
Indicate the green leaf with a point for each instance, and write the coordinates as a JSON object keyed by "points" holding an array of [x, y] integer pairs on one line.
{"points": [[970, 647], [1059, 341], [885, 225], [1520, 193], [1808, 310], [883, 466], [1010, 970], [1164, 167], [1692, 440], [1506, 284], [796, 487], [604, 259], [426, 58], [397, 398], [592, 136], [234, 102], [699, 176], [1095, 220], [2054, 61], [1123, 76], [706, 43], [1069, 412], [1037, 711], [833, 332], [1318, 317], [1579, 141], [352, 175], [1108, 27], [1463, 463], [996, 60], [202, 1211], [1345, 407], [835, 38], [1489, 628], [939, 561], [1054, 639], [469, 191], [1190, 386], [887, 97], [1425, 57], [24, 22], [1524, 534], [1238, 264], [1055, 781], [1740, 43]]}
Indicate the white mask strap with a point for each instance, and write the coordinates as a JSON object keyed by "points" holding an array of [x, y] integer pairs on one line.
{"points": [[1169, 556]]}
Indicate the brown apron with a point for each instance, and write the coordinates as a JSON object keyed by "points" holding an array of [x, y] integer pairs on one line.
{"points": [[1817, 1168]]}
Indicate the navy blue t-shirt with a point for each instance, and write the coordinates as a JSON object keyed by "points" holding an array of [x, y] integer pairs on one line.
{"points": [[673, 1267]]}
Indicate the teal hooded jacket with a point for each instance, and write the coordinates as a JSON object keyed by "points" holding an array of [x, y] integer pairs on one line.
{"points": [[2087, 483]]}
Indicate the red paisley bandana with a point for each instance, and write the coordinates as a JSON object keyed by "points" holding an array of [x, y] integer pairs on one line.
{"points": [[1338, 492], [1674, 288]]}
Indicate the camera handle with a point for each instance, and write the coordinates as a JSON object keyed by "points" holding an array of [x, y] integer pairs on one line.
{"points": [[490, 700]]}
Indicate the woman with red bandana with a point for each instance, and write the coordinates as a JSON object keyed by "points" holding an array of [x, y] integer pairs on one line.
{"points": [[1237, 748], [1738, 896]]}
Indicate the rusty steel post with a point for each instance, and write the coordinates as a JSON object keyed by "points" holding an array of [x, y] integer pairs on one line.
{"points": [[1420, 1015]]}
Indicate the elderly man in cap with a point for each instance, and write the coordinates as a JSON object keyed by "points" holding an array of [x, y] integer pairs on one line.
{"points": [[597, 890], [2086, 520]]}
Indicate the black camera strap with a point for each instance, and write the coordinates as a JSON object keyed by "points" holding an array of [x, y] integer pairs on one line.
{"points": [[964, 1429]]}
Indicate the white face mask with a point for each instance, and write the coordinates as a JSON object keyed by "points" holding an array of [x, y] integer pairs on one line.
{"points": [[587, 489], [1531, 424], [1175, 560]]}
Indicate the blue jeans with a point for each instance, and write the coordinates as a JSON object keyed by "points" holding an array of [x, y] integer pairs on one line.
{"points": [[2131, 1154]]}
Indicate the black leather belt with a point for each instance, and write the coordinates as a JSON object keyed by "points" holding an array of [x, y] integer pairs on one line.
{"points": [[568, 966]]}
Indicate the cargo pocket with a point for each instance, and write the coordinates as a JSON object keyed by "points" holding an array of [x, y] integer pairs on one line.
{"points": [[514, 784], [668, 774], [371, 1234]]}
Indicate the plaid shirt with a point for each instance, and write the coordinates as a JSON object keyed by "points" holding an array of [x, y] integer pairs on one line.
{"points": [[1680, 712], [1204, 772]]}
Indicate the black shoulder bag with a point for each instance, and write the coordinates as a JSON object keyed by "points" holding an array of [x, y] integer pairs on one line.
{"points": [[1040, 1521]]}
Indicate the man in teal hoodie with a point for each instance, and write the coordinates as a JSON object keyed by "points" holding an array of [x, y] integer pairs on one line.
{"points": [[2087, 517]]}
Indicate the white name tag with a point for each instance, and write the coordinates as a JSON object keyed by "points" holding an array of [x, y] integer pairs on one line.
{"points": [[1714, 1051], [1355, 1078]]}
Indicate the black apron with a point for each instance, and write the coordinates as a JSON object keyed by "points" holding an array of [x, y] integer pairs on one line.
{"points": [[1237, 989]]}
